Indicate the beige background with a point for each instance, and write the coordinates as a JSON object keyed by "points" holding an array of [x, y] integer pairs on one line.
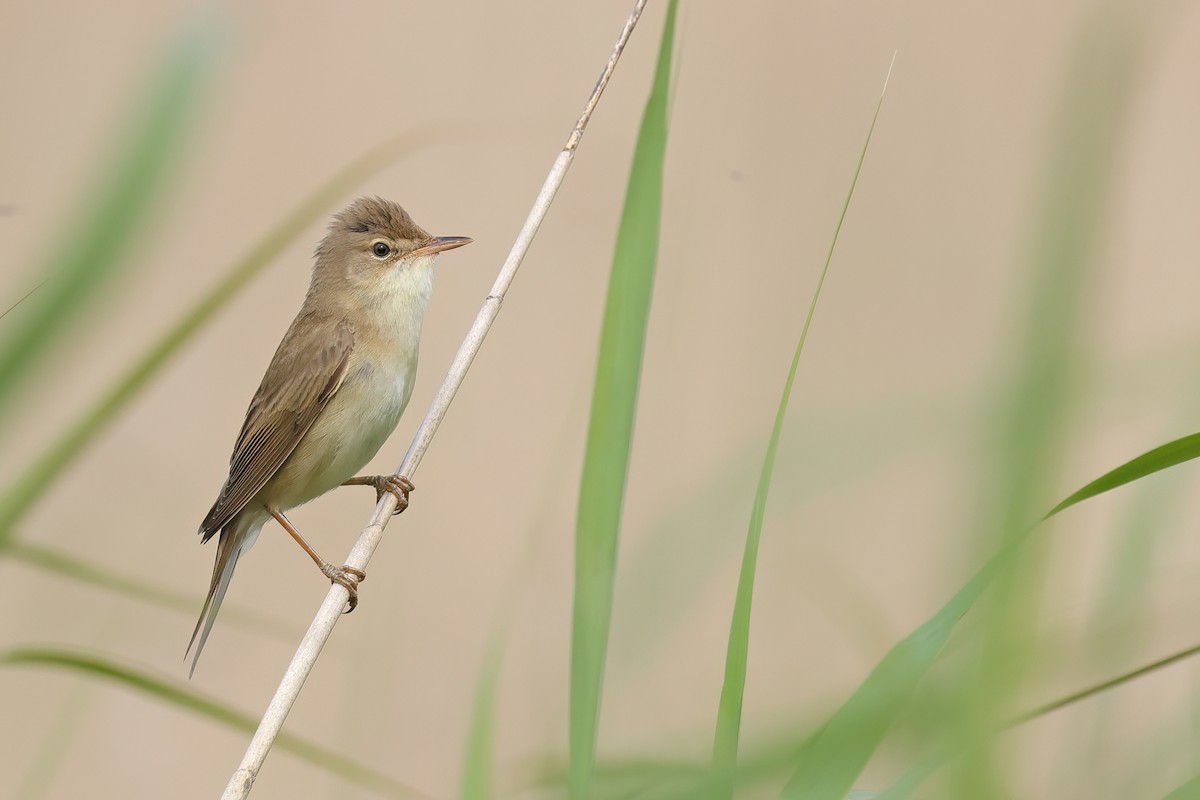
{"points": [[864, 532]]}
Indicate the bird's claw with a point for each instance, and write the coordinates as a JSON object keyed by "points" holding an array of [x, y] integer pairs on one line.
{"points": [[348, 578], [396, 485]]}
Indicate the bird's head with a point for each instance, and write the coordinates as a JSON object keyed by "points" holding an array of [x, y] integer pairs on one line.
{"points": [[375, 253]]}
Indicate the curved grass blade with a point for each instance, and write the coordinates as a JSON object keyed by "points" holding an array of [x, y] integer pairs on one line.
{"points": [[1096, 101], [625, 778], [610, 429], [918, 773], [767, 762], [1141, 532], [1099, 688], [40, 771], [114, 213], [613, 778], [93, 666], [1188, 791], [24, 297], [38, 477], [861, 442], [477, 769], [929, 421], [831, 760], [1160, 458], [729, 712], [71, 568]]}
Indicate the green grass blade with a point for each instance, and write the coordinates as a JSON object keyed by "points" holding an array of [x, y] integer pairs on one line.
{"points": [[829, 762], [107, 223], [1160, 458], [1188, 791], [24, 297], [38, 478], [1094, 104], [1104, 686], [615, 778], [623, 778], [66, 566], [93, 666], [610, 429], [729, 712], [1141, 532], [40, 771], [1063, 266], [477, 769], [913, 778]]}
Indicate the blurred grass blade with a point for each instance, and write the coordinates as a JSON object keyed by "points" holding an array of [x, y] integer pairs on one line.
{"points": [[832, 759], [38, 478], [40, 771], [1148, 463], [1064, 261], [625, 778], [610, 429], [1188, 791], [24, 297], [1082, 158], [729, 712], [74, 569], [915, 775], [93, 243], [615, 778], [1099, 688], [346, 768], [477, 770], [1142, 531]]}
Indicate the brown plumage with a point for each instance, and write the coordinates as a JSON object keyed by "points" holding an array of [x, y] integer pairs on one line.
{"points": [[337, 384]]}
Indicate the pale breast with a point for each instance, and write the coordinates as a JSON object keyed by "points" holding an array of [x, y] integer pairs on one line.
{"points": [[347, 434], [387, 316]]}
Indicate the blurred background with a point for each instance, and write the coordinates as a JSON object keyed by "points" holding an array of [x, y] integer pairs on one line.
{"points": [[874, 518]]}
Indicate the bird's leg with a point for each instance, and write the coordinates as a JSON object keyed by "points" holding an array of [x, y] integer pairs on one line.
{"points": [[397, 485], [347, 577]]}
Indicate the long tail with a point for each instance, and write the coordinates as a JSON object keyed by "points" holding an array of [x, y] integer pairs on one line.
{"points": [[235, 539]]}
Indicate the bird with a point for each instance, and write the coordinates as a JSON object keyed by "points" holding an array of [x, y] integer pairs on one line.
{"points": [[333, 392]]}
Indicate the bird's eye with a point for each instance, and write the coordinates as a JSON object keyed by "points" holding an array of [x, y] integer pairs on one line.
{"points": [[381, 249]]}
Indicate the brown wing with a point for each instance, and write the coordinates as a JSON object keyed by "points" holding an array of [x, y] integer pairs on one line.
{"points": [[305, 373]]}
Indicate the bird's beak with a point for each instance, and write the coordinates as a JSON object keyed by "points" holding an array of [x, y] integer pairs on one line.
{"points": [[439, 243]]}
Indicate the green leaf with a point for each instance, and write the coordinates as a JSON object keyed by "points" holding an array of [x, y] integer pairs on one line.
{"points": [[47, 761], [1095, 102], [729, 712], [477, 764], [829, 762], [1148, 463], [24, 297], [38, 478], [610, 429], [1188, 791], [924, 768], [172, 693], [1099, 688], [74, 569], [118, 210]]}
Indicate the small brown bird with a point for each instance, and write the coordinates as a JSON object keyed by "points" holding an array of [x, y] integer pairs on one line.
{"points": [[334, 391]]}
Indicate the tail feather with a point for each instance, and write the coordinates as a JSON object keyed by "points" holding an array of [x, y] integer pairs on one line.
{"points": [[235, 539]]}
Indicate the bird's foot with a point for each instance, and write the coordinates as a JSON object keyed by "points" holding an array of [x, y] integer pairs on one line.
{"points": [[346, 577], [396, 485]]}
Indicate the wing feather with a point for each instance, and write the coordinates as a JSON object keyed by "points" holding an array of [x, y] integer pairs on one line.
{"points": [[304, 375]]}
